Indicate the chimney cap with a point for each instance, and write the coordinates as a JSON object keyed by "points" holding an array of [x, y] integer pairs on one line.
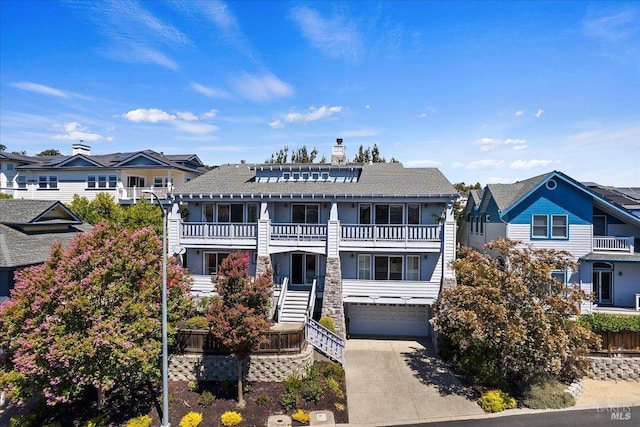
{"points": [[339, 141]]}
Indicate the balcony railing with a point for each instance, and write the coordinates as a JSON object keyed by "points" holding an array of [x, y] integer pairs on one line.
{"points": [[299, 231], [391, 232], [613, 244], [209, 230], [135, 193]]}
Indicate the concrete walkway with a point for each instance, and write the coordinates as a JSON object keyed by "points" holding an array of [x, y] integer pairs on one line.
{"points": [[393, 382]]}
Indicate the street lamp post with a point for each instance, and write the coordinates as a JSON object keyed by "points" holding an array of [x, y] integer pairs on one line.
{"points": [[165, 356]]}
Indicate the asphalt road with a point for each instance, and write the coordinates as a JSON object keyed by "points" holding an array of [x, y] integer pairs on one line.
{"points": [[622, 416]]}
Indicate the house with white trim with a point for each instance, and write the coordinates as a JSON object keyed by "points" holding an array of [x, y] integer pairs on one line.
{"points": [[123, 175], [369, 245], [554, 211]]}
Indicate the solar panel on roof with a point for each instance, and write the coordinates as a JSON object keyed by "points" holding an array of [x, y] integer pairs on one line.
{"points": [[629, 192]]}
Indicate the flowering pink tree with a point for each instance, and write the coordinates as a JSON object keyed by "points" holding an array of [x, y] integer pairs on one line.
{"points": [[89, 317], [238, 318]]}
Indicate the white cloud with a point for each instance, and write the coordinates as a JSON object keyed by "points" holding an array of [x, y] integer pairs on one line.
{"points": [[487, 144], [428, 111], [152, 115], [186, 116], [521, 147], [421, 163], [209, 91], [262, 88], [313, 114], [334, 36], [196, 128], [529, 164], [519, 113], [41, 89], [276, 124], [74, 131], [367, 107], [539, 113], [613, 26], [480, 164], [210, 114]]}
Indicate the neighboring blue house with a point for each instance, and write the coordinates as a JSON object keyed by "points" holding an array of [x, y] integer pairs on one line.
{"points": [[368, 244], [555, 211]]}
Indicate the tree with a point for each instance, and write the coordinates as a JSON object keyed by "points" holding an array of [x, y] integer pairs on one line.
{"points": [[300, 155], [509, 322], [371, 155], [3, 147], [5, 196], [89, 317], [102, 207], [49, 152], [462, 187], [238, 317], [142, 214]]}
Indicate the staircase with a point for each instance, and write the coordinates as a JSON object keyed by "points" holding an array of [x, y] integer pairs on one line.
{"points": [[294, 307]]}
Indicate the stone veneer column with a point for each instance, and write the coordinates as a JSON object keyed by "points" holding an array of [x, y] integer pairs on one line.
{"points": [[263, 263], [332, 303]]}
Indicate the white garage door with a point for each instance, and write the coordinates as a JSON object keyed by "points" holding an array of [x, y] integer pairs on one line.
{"points": [[388, 319]]}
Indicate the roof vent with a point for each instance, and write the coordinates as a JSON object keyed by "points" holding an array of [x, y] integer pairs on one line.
{"points": [[80, 148]]}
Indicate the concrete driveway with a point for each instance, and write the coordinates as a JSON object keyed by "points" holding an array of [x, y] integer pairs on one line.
{"points": [[392, 382]]}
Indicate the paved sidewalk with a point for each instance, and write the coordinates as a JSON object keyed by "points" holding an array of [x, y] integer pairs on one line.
{"points": [[611, 392], [394, 382]]}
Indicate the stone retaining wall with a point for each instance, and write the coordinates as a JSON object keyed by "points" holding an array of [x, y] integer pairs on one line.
{"points": [[274, 367], [615, 368]]}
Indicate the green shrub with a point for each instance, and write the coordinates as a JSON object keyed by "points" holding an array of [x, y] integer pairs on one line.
{"points": [[206, 399], [197, 322], [547, 393], [193, 386], [230, 419], [192, 419], [141, 421], [335, 387], [600, 322], [333, 370], [301, 416], [262, 399], [26, 420], [496, 401], [289, 400], [99, 421], [327, 322], [312, 372], [293, 382], [312, 391]]}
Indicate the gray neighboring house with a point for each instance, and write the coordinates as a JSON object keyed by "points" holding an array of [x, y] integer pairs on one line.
{"points": [[28, 229]]}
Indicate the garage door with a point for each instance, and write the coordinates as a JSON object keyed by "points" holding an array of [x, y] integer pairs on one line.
{"points": [[388, 319]]}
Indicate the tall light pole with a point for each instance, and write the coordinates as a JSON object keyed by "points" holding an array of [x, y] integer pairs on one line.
{"points": [[165, 355]]}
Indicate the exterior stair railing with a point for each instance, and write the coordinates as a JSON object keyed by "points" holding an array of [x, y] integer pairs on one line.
{"points": [[324, 340], [282, 297]]}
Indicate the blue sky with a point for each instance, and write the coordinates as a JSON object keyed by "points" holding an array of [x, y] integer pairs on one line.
{"points": [[485, 91]]}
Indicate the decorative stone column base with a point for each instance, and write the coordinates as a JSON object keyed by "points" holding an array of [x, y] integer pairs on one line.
{"points": [[448, 283], [263, 263], [332, 304]]}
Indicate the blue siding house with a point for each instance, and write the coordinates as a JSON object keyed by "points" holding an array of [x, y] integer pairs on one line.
{"points": [[554, 211]]}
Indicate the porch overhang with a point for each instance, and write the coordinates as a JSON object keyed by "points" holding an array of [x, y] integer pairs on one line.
{"points": [[603, 257], [387, 300]]}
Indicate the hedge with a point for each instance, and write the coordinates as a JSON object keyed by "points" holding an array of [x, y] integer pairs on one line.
{"points": [[599, 322]]}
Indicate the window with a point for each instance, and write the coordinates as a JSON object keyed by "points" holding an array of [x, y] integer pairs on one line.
{"points": [[481, 224], [388, 268], [135, 181], [325, 176], [305, 175], [252, 213], [22, 181], [296, 175], [42, 182], [559, 227], [413, 267], [9, 182], [47, 182], [388, 214], [212, 260], [365, 214], [9, 166], [102, 181], [113, 181], [286, 176], [305, 214], [413, 213], [315, 176], [157, 181], [207, 212], [364, 267], [599, 225], [53, 182], [540, 226]]}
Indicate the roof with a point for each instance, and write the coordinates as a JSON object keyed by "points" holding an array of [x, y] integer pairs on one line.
{"points": [[375, 180], [627, 197], [505, 195], [28, 228], [594, 257], [113, 160]]}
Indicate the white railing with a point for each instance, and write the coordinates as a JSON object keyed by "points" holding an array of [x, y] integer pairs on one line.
{"points": [[311, 303], [613, 244], [135, 193], [282, 297], [299, 231], [391, 232], [324, 340], [208, 230]]}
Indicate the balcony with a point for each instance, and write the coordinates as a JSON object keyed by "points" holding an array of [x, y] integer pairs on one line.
{"points": [[613, 244], [136, 193], [390, 291], [287, 236], [241, 235], [402, 236]]}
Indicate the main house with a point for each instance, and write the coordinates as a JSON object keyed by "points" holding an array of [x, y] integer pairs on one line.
{"points": [[555, 211], [123, 175], [369, 245], [28, 228]]}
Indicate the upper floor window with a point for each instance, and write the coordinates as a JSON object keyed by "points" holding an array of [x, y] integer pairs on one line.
{"points": [[388, 268], [230, 212], [364, 267], [559, 226], [286, 176], [9, 166], [102, 181], [9, 182], [135, 181], [305, 213], [413, 213], [324, 176], [413, 267], [388, 214], [22, 181], [47, 182], [599, 225], [540, 226], [159, 181]]}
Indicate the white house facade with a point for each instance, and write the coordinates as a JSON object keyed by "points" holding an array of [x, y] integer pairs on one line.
{"points": [[369, 245]]}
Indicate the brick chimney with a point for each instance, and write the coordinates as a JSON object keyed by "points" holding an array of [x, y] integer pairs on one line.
{"points": [[338, 153], [80, 148]]}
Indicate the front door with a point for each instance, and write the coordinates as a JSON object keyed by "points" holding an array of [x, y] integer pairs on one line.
{"points": [[303, 268], [603, 284]]}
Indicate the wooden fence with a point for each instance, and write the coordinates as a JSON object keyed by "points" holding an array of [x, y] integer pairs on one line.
{"points": [[198, 341], [622, 342]]}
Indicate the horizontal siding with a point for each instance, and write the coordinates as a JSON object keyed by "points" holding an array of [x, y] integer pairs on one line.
{"points": [[579, 242], [402, 291]]}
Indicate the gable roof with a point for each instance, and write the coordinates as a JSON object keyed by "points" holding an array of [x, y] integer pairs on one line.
{"points": [[25, 211], [375, 180]]}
